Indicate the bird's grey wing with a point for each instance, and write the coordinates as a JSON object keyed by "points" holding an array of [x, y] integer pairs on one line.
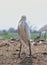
{"points": [[27, 30]]}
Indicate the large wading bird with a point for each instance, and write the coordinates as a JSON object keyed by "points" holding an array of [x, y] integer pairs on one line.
{"points": [[24, 33]]}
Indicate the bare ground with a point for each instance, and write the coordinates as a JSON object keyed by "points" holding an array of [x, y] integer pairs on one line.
{"points": [[9, 51]]}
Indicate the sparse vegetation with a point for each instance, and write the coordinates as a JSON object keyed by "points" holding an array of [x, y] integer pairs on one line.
{"points": [[8, 36], [15, 35]]}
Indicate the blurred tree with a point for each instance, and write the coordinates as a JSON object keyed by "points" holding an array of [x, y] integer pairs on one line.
{"points": [[12, 30], [4, 32]]}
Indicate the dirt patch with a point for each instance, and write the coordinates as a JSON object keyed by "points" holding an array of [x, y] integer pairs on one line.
{"points": [[9, 51]]}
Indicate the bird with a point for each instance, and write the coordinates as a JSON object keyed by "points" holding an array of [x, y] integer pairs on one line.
{"points": [[24, 33]]}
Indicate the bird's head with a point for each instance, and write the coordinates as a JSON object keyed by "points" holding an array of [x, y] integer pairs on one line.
{"points": [[23, 17]]}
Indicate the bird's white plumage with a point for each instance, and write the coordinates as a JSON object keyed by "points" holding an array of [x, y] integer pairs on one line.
{"points": [[24, 31]]}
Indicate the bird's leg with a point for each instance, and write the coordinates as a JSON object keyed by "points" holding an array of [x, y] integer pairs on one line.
{"points": [[20, 49], [30, 49]]}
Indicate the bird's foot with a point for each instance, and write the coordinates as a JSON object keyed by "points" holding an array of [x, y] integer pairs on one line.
{"points": [[30, 55], [18, 56]]}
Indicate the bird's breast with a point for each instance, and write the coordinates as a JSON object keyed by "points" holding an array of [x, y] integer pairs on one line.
{"points": [[23, 32]]}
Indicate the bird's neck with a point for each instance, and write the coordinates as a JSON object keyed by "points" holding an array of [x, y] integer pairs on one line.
{"points": [[22, 21]]}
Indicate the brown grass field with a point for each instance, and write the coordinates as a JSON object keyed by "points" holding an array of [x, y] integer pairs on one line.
{"points": [[9, 53]]}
